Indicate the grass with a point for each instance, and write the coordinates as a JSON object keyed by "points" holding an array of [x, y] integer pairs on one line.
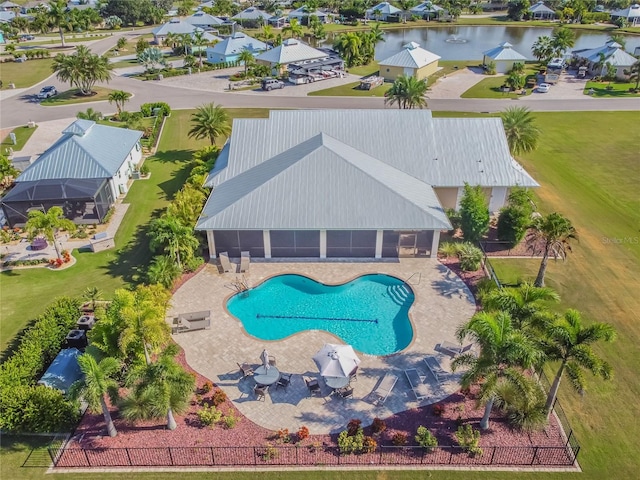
{"points": [[351, 90], [69, 38], [611, 89], [23, 134], [73, 96], [25, 74], [133, 62], [130, 47], [490, 87]]}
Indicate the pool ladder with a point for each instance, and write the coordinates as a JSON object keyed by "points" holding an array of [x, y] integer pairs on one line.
{"points": [[239, 285], [408, 282]]}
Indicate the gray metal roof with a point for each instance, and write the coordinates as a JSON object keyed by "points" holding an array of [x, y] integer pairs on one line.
{"points": [[384, 7], [252, 13], [411, 56], [613, 54], [504, 51], [201, 18], [282, 168], [540, 7], [86, 150], [176, 27], [290, 51], [236, 43]]}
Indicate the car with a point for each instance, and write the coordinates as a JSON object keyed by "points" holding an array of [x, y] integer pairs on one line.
{"points": [[556, 64], [269, 84], [24, 38], [543, 88], [48, 91]]}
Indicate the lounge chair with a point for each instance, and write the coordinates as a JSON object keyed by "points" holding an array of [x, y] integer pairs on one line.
{"points": [[225, 263], [454, 349], [433, 365], [285, 380], [384, 389], [353, 376], [420, 390], [245, 259]]}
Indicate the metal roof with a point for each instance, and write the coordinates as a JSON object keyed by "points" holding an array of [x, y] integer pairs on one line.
{"points": [[631, 11], [411, 56], [86, 150], [290, 51], [55, 189], [613, 54], [236, 43], [540, 7], [201, 18], [384, 7], [504, 51], [175, 27], [303, 11], [252, 13], [326, 168], [426, 7]]}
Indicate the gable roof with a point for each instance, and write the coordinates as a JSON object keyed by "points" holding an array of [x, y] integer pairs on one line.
{"points": [[612, 51], [504, 51], [252, 13], [236, 43], [426, 7], [291, 51], [631, 11], [86, 150], [411, 56], [303, 11], [540, 7]]}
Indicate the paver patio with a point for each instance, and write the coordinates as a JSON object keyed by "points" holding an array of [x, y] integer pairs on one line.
{"points": [[442, 302]]}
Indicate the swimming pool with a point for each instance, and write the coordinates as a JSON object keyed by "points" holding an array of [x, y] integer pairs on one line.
{"points": [[371, 313]]}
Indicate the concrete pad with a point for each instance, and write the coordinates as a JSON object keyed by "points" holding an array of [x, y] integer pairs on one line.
{"points": [[45, 135], [455, 84]]}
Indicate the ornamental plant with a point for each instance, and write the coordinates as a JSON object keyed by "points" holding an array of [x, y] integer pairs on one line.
{"points": [[425, 439], [303, 432]]}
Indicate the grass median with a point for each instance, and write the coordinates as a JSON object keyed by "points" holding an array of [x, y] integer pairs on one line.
{"points": [[25, 74], [69, 97]]}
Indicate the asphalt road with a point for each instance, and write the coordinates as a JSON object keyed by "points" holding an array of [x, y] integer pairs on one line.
{"points": [[22, 108]]}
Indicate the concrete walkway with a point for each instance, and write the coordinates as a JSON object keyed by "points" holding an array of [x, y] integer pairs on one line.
{"points": [[442, 303]]}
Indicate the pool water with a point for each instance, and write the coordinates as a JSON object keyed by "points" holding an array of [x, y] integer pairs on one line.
{"points": [[371, 313]]}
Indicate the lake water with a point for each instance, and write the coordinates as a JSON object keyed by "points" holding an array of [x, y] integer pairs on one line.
{"points": [[468, 43]]}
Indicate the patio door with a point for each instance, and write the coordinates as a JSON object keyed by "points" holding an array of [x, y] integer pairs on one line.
{"points": [[407, 244]]}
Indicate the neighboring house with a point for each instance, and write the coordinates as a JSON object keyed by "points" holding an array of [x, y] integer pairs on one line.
{"points": [[351, 183], [228, 49], [382, 11], [289, 51], [504, 56], [631, 14], [176, 27], [205, 21], [302, 14], [612, 53], [427, 10], [4, 6], [83, 172], [252, 16], [539, 11], [34, 6], [7, 15], [411, 60]]}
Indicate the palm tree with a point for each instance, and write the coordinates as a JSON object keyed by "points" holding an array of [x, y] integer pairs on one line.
{"points": [[407, 92], [246, 57], [515, 81], [562, 39], [550, 235], [618, 38], [543, 48], [152, 58], [48, 224], [569, 341], [90, 114], [119, 97], [294, 29], [634, 73], [210, 121], [173, 237], [58, 16], [97, 382], [519, 127], [82, 69], [93, 294], [349, 45], [504, 352], [163, 270], [267, 33], [199, 41], [524, 303]]}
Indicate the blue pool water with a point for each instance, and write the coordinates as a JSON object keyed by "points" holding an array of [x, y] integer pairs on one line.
{"points": [[370, 313]]}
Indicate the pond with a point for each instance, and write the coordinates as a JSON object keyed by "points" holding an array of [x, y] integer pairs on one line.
{"points": [[468, 43]]}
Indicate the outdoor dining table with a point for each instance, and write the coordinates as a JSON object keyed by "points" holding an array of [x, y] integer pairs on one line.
{"points": [[336, 382], [266, 376]]}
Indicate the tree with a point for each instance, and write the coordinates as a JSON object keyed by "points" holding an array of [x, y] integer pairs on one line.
{"points": [[47, 224], [121, 43], [348, 45], [210, 121], [246, 57], [569, 341], [634, 73], [152, 58], [562, 39], [618, 38], [525, 304], [59, 17], [407, 92], [267, 33], [199, 41], [93, 294], [119, 97], [520, 129], [294, 29], [550, 235], [163, 271], [504, 352], [97, 382], [141, 45], [187, 205], [83, 69], [174, 238], [474, 213], [515, 218], [516, 9], [113, 22], [515, 81], [543, 49]]}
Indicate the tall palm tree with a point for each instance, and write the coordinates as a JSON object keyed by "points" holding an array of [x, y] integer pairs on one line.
{"points": [[504, 352], [119, 97], [267, 33], [210, 121], [175, 238], [524, 303], [349, 46], [294, 29], [59, 17], [562, 39], [543, 48], [634, 73], [83, 69], [569, 341], [199, 41], [520, 129], [246, 57], [48, 224], [407, 92], [163, 270], [550, 235], [97, 382]]}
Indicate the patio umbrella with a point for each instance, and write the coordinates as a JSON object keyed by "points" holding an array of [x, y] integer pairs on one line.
{"points": [[336, 360], [264, 356]]}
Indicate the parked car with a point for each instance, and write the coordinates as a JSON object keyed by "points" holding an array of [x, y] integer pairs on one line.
{"points": [[582, 72], [271, 83], [556, 64], [543, 88], [24, 38], [47, 92]]}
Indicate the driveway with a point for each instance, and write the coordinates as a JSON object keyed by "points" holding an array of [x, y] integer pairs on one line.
{"points": [[568, 87], [455, 84]]}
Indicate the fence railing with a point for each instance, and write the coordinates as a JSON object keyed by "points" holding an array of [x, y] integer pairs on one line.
{"points": [[280, 455]]}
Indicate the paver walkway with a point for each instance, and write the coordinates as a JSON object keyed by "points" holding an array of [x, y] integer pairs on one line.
{"points": [[442, 303]]}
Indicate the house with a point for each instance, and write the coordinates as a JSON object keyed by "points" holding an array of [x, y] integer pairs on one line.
{"points": [[338, 183], [83, 172], [504, 56], [631, 14], [4, 6], [229, 49], [175, 27], [612, 53], [382, 11], [252, 16], [288, 52], [427, 10], [411, 60], [7, 15], [205, 21], [539, 11], [35, 6], [302, 14]]}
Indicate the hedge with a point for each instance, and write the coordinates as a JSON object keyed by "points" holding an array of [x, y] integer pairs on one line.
{"points": [[147, 108], [40, 409]]}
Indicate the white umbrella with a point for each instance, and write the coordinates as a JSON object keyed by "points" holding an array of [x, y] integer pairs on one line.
{"points": [[264, 356], [336, 360]]}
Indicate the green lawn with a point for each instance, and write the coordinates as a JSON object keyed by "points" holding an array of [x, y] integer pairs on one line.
{"points": [[134, 62], [73, 96], [25, 74], [130, 47], [611, 89], [489, 87], [22, 135]]}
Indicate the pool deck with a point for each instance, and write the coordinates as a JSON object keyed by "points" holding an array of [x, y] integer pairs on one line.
{"points": [[442, 303]]}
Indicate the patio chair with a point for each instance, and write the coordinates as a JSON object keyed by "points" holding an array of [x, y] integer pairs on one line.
{"points": [[225, 263], [245, 369], [285, 380], [420, 390], [313, 386], [260, 391], [433, 365], [272, 360], [345, 393], [453, 349], [245, 259], [353, 376], [384, 389]]}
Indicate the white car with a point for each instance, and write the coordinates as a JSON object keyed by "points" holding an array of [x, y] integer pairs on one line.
{"points": [[48, 91], [543, 88]]}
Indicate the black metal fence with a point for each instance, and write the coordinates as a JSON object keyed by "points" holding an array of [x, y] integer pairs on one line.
{"points": [[291, 455]]}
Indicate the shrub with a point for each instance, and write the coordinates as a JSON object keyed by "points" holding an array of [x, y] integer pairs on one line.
{"points": [[425, 439], [147, 109], [449, 249], [209, 415], [283, 435], [454, 218], [399, 439], [378, 425], [369, 445], [438, 409], [38, 409], [491, 68], [484, 287], [353, 426], [351, 443], [269, 452], [108, 215], [230, 421], [474, 213], [470, 257], [207, 387], [303, 432], [469, 439], [218, 397]]}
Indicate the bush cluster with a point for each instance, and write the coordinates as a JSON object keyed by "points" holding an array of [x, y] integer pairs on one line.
{"points": [[469, 255], [176, 72], [147, 108], [353, 440], [425, 439], [33, 54], [24, 263]]}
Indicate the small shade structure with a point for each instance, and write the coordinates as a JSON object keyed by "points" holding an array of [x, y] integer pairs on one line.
{"points": [[63, 371], [336, 360], [504, 56]]}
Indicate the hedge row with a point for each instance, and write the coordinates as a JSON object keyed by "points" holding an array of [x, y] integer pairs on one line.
{"points": [[147, 109], [176, 72]]}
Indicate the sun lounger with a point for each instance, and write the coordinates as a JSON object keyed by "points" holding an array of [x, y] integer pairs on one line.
{"points": [[420, 390], [433, 365], [454, 349], [245, 258], [226, 264], [384, 389]]}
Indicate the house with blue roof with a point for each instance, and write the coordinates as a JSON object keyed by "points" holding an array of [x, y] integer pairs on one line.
{"points": [[83, 172], [229, 49], [382, 11]]}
